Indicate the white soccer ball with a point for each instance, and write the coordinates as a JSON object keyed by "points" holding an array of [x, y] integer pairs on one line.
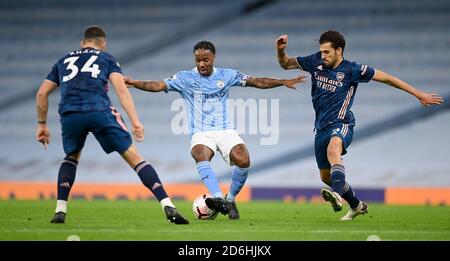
{"points": [[201, 211]]}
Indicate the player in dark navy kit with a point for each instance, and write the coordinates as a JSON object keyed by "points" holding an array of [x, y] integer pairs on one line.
{"points": [[82, 76], [334, 81]]}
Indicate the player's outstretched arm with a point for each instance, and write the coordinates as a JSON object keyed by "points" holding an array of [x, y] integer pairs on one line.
{"points": [[42, 131], [284, 60], [149, 86], [267, 83], [426, 99], [126, 101]]}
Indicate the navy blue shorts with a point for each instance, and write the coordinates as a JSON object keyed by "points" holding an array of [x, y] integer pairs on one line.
{"points": [[107, 126], [323, 137]]}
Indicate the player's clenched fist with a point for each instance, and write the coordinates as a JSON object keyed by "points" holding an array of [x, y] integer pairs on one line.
{"points": [[281, 42]]}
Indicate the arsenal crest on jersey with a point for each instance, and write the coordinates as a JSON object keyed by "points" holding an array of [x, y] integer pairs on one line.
{"points": [[340, 76]]}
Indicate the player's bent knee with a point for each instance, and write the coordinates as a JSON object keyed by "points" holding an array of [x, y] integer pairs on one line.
{"points": [[241, 160], [333, 152], [334, 148], [239, 156], [244, 163], [201, 153]]}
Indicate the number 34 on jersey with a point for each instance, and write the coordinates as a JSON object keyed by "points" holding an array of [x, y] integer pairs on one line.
{"points": [[89, 66]]}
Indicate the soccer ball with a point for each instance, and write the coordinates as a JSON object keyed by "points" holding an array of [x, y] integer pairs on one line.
{"points": [[201, 211]]}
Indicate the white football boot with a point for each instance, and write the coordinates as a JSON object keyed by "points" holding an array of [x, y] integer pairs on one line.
{"points": [[362, 208], [333, 197]]}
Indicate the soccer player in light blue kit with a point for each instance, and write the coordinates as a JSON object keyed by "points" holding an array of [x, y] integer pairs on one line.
{"points": [[82, 76], [205, 90], [334, 82]]}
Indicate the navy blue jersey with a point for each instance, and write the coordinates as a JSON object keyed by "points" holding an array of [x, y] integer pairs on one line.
{"points": [[83, 78], [333, 90]]}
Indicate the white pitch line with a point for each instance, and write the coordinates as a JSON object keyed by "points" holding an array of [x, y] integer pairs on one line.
{"points": [[171, 231]]}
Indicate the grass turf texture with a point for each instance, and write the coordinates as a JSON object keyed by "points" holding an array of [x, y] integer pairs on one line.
{"points": [[260, 220]]}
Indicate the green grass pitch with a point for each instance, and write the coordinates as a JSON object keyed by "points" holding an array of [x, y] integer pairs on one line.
{"points": [[260, 220]]}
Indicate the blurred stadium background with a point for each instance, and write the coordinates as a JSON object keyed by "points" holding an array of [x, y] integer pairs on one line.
{"points": [[400, 154]]}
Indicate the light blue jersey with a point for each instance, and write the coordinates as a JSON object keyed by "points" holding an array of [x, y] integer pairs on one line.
{"points": [[206, 96]]}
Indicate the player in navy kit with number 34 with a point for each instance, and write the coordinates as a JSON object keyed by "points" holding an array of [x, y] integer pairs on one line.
{"points": [[82, 76], [334, 82]]}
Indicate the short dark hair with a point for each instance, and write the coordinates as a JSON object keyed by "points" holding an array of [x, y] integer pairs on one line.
{"points": [[334, 37], [94, 32], [205, 45]]}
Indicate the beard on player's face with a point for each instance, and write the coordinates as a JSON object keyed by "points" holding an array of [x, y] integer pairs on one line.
{"points": [[330, 59], [330, 62], [330, 56]]}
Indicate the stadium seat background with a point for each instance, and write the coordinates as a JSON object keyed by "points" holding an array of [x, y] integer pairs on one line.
{"points": [[409, 39]]}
